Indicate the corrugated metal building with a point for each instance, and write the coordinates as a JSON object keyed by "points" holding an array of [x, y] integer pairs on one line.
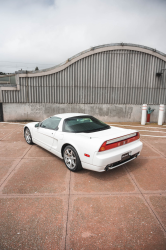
{"points": [[115, 77]]}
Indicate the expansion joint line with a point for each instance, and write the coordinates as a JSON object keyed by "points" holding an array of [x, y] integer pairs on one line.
{"points": [[14, 168], [8, 134], [149, 206], [153, 148], [67, 214]]}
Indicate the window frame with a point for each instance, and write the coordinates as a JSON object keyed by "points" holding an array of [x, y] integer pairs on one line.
{"points": [[51, 128], [81, 116]]}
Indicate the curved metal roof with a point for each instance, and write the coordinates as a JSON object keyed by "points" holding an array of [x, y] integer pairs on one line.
{"points": [[118, 44], [97, 49]]}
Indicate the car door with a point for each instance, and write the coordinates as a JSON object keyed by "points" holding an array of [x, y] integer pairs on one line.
{"points": [[44, 134], [57, 143]]}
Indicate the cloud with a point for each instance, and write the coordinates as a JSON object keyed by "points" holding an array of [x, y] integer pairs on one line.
{"points": [[48, 32]]}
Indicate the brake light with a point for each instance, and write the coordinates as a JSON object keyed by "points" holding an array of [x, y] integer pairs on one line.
{"points": [[119, 141]]}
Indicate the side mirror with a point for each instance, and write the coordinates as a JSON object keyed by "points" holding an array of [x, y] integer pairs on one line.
{"points": [[56, 128], [37, 125]]}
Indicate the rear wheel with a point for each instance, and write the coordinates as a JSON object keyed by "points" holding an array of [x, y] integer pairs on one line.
{"points": [[71, 159], [28, 137]]}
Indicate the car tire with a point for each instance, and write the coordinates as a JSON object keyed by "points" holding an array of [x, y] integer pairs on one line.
{"points": [[71, 159], [28, 137]]}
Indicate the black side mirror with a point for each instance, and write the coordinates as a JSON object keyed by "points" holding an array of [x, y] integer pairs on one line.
{"points": [[56, 128], [37, 125]]}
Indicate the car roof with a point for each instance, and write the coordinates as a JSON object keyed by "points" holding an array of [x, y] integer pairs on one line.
{"points": [[68, 115]]}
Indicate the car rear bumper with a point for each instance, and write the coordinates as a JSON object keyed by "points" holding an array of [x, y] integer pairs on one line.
{"points": [[119, 163], [103, 161]]}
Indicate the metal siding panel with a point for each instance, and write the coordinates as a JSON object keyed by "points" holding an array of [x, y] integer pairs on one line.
{"points": [[31, 89], [23, 88], [44, 89], [112, 73], [7, 96], [3, 96], [53, 88], [87, 80], [57, 89], [37, 89], [48, 88], [19, 95], [78, 82], [71, 84], [75, 72], [61, 88], [34, 89], [68, 86], [83, 84], [125, 75], [96, 77], [117, 77]]}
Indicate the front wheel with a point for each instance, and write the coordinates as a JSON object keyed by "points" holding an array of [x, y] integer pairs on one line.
{"points": [[28, 137], [71, 159]]}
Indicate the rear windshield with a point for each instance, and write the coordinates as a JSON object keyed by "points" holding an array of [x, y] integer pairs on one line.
{"points": [[83, 124]]}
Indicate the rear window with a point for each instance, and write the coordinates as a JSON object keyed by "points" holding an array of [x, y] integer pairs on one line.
{"points": [[83, 124]]}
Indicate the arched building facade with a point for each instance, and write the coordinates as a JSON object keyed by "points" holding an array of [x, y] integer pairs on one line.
{"points": [[110, 82]]}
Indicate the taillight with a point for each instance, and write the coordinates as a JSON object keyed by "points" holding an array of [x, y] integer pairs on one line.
{"points": [[119, 141]]}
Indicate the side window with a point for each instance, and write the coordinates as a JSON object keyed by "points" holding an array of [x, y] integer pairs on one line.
{"points": [[51, 123]]}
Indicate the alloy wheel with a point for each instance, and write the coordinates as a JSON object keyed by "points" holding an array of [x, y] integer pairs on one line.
{"points": [[28, 136], [70, 158]]}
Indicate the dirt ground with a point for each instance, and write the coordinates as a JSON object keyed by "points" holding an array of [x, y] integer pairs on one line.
{"points": [[45, 206]]}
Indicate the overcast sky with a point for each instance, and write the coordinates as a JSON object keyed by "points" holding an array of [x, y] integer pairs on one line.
{"points": [[44, 33]]}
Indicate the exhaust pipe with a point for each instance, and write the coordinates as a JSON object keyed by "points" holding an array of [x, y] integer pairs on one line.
{"points": [[108, 167]]}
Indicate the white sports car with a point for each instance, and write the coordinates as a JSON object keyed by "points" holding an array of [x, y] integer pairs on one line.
{"points": [[84, 142]]}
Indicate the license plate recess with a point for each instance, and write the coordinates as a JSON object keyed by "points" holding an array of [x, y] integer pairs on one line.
{"points": [[125, 157]]}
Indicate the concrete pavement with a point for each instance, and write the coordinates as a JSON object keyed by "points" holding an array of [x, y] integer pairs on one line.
{"points": [[45, 206]]}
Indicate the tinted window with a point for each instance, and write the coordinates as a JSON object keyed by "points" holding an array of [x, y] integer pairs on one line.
{"points": [[51, 123], [86, 124]]}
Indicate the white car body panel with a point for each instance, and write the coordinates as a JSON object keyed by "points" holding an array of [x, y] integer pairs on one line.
{"points": [[44, 137], [84, 143]]}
